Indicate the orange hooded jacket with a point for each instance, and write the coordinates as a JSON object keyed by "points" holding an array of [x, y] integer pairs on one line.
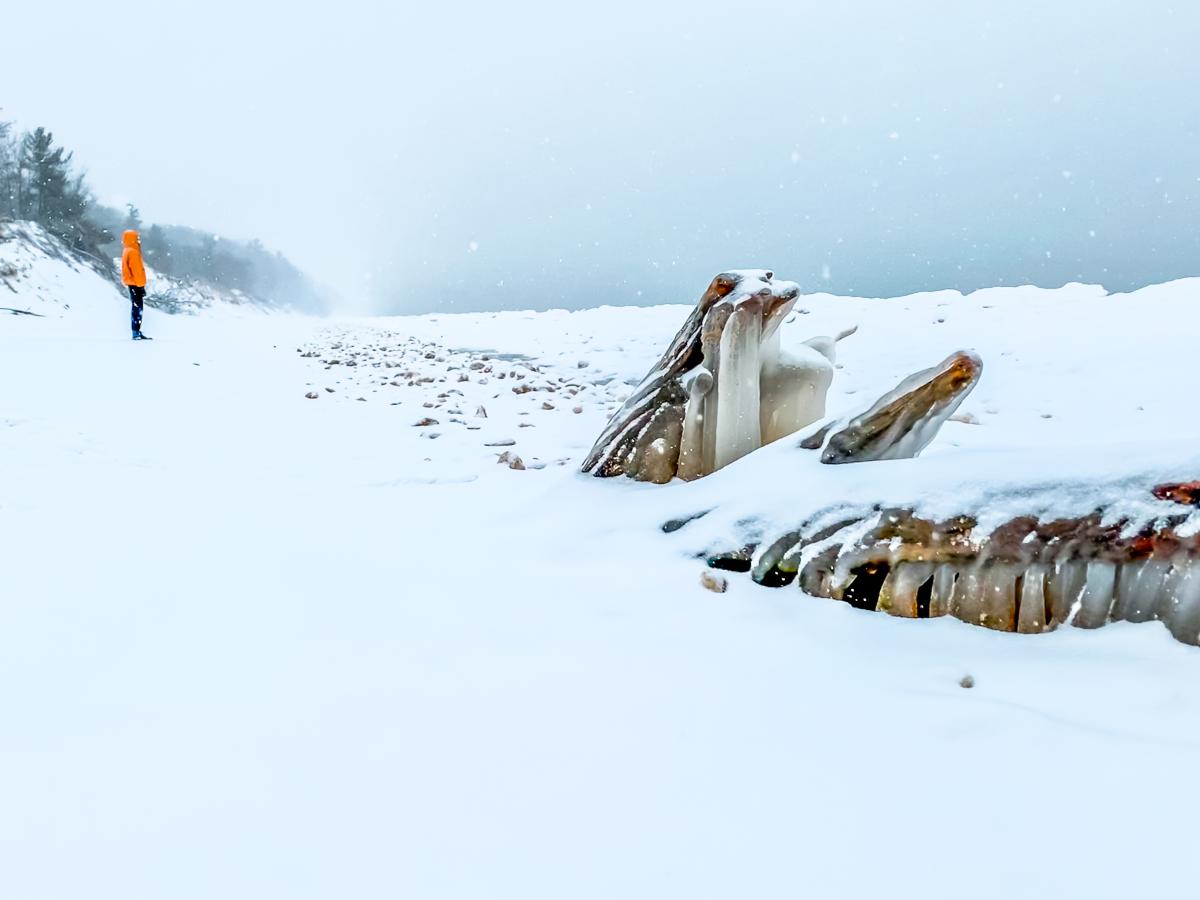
{"points": [[133, 273]]}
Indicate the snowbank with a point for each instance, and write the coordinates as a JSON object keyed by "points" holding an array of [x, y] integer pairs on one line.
{"points": [[256, 644]]}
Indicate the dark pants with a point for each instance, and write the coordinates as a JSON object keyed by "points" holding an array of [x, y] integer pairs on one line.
{"points": [[137, 297]]}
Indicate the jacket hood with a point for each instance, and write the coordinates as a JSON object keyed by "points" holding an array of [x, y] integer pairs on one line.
{"points": [[130, 238]]}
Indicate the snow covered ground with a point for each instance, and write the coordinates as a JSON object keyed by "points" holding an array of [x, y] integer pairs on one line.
{"points": [[254, 644]]}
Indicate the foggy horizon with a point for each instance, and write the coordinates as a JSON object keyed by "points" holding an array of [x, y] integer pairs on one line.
{"points": [[469, 158]]}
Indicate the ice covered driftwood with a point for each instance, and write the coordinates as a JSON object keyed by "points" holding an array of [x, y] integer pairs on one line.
{"points": [[724, 388]]}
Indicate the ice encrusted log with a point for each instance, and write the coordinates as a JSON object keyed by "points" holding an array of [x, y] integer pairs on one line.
{"points": [[737, 310], [1027, 574], [903, 422]]}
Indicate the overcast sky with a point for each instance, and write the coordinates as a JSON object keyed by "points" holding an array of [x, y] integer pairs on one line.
{"points": [[532, 154]]}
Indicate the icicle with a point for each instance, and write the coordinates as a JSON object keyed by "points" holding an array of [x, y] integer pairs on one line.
{"points": [[942, 593], [1139, 585], [737, 428], [998, 597], [1031, 611], [691, 450], [898, 595], [1097, 597]]}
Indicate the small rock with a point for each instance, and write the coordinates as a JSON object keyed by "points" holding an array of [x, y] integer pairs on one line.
{"points": [[582, 364], [712, 582], [966, 682], [481, 413], [965, 418], [577, 410], [311, 395], [516, 463], [425, 422], [547, 405], [505, 442], [522, 389]]}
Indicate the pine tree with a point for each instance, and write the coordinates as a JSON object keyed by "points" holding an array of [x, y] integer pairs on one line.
{"points": [[50, 195], [157, 250], [9, 172], [133, 218]]}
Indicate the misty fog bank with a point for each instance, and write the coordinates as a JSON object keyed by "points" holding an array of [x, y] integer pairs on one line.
{"points": [[872, 153], [533, 154]]}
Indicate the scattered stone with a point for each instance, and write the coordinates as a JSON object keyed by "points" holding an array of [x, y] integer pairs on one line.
{"points": [[329, 390], [361, 399], [522, 389], [713, 582], [311, 395], [425, 422], [517, 464], [481, 413], [525, 425], [965, 418], [966, 682], [582, 364], [547, 405], [577, 410], [505, 442]]}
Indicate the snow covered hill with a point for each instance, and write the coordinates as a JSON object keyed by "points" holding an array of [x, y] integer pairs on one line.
{"points": [[40, 275], [280, 615]]}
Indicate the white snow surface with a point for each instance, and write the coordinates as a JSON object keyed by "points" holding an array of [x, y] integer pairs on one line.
{"points": [[258, 645]]}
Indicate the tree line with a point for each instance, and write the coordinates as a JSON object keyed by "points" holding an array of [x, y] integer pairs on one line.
{"points": [[39, 182]]}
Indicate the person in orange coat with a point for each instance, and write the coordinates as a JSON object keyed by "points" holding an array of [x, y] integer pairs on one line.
{"points": [[133, 273]]}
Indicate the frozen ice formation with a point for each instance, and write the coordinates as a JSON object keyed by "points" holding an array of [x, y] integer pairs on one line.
{"points": [[1027, 575], [1026, 560], [724, 388]]}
